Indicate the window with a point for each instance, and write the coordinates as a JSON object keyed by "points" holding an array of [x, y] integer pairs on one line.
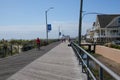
{"points": [[114, 32], [118, 20], [103, 32]]}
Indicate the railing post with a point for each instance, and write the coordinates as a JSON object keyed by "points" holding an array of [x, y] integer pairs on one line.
{"points": [[88, 67], [79, 61], [94, 47], [89, 48], [82, 63], [101, 73], [82, 68], [80, 52]]}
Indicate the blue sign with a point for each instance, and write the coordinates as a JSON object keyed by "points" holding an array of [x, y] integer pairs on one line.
{"points": [[49, 27], [59, 33]]}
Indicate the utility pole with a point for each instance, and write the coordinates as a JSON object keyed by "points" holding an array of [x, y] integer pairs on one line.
{"points": [[80, 23]]}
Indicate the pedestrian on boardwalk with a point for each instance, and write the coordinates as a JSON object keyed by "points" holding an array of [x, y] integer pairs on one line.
{"points": [[38, 43]]}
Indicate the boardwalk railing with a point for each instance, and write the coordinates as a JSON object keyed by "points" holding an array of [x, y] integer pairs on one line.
{"points": [[94, 69]]}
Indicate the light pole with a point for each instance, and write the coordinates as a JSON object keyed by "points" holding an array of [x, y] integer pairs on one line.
{"points": [[80, 23], [46, 23]]}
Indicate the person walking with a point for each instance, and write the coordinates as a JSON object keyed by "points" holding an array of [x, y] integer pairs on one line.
{"points": [[38, 43]]}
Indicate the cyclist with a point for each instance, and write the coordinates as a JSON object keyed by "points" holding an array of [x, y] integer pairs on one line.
{"points": [[38, 43]]}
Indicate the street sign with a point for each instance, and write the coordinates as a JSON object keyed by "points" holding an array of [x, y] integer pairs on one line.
{"points": [[49, 27], [59, 33]]}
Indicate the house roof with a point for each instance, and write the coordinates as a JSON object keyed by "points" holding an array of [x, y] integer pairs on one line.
{"points": [[104, 20]]}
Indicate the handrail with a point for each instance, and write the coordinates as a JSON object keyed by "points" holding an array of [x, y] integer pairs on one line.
{"points": [[113, 74], [86, 65]]}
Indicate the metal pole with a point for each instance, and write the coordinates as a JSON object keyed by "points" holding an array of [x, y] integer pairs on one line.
{"points": [[101, 73], [46, 24], [80, 23], [46, 27], [88, 67], [58, 33]]}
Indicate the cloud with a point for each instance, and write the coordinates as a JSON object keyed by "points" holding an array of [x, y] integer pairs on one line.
{"points": [[33, 31], [22, 31], [67, 28], [24, 28]]}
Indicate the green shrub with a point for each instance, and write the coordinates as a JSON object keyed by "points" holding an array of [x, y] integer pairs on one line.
{"points": [[112, 45]]}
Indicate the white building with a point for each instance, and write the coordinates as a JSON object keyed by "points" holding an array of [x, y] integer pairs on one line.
{"points": [[106, 28]]}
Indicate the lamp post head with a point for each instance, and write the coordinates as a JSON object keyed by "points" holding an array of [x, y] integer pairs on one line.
{"points": [[49, 9]]}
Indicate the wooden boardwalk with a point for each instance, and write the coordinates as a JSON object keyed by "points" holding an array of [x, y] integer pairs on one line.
{"points": [[12, 64], [58, 64]]}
